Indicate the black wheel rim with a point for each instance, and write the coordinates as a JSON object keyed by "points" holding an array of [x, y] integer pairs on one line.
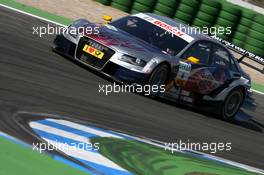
{"points": [[159, 77], [232, 104]]}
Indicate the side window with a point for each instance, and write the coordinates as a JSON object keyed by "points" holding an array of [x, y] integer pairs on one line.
{"points": [[220, 57], [200, 50], [233, 66]]}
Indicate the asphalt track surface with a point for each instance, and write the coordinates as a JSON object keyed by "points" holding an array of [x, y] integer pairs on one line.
{"points": [[34, 79]]}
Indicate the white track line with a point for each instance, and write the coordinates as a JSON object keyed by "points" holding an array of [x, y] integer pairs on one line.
{"points": [[59, 132], [34, 16], [84, 128], [256, 91]]}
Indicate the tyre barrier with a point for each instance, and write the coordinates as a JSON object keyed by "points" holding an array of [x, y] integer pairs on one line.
{"points": [[124, 5], [247, 26]]}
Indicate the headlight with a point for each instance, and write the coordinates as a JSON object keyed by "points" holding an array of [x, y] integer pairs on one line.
{"points": [[133, 60]]}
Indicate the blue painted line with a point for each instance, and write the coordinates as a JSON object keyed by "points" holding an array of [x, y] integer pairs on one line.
{"points": [[67, 128], [13, 139], [65, 140]]}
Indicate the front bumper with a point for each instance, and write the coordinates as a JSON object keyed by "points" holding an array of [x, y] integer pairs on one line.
{"points": [[117, 72]]}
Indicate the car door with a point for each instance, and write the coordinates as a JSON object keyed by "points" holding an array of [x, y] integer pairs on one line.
{"points": [[225, 68], [205, 67], [194, 73]]}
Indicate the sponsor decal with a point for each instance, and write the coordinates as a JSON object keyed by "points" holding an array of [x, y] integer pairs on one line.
{"points": [[184, 73], [92, 51], [240, 50], [116, 41]]}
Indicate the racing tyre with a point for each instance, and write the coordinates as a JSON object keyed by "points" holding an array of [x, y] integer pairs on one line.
{"points": [[123, 2], [120, 7], [234, 9], [149, 3], [259, 19], [158, 78], [192, 3], [205, 17], [238, 42], [225, 23], [232, 104], [245, 21], [133, 11], [160, 13], [240, 36], [257, 35], [255, 43], [255, 50], [258, 27], [169, 3], [228, 16], [165, 9], [183, 17], [186, 9], [242, 29], [209, 10], [246, 13], [140, 7], [211, 3], [200, 23]]}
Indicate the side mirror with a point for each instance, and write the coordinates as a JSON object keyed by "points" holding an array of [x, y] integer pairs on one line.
{"points": [[107, 18], [236, 76], [193, 60]]}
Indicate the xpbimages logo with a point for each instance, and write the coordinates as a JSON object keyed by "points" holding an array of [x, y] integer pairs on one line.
{"points": [[193, 30], [57, 30], [78, 147], [130, 88], [212, 147]]}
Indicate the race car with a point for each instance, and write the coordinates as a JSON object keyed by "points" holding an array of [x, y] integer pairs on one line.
{"points": [[146, 48]]}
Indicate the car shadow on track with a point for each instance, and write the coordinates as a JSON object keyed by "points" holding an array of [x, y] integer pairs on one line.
{"points": [[247, 121], [242, 119]]}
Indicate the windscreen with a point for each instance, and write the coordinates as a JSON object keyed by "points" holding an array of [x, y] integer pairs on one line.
{"points": [[151, 34]]}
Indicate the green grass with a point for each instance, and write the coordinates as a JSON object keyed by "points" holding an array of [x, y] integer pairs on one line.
{"points": [[140, 158], [258, 87], [18, 160], [35, 11]]}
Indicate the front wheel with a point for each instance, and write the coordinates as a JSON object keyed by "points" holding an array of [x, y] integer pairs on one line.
{"points": [[232, 104], [158, 78]]}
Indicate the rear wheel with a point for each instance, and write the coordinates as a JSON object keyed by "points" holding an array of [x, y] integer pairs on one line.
{"points": [[232, 104], [158, 78]]}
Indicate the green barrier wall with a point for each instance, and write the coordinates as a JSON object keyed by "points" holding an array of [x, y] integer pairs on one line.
{"points": [[247, 26]]}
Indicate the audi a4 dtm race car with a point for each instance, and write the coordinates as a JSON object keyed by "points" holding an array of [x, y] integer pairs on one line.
{"points": [[146, 48]]}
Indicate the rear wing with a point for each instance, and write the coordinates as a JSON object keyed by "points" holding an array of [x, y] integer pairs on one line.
{"points": [[244, 53]]}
